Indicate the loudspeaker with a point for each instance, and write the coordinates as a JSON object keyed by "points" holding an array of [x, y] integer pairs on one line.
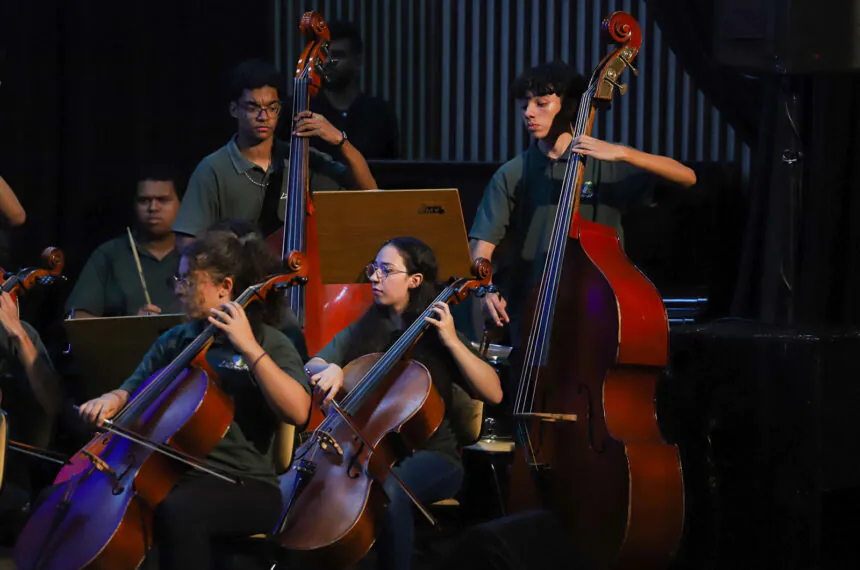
{"points": [[533, 540], [788, 36]]}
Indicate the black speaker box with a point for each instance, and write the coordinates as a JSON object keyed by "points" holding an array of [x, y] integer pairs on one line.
{"points": [[765, 418], [788, 36], [533, 540]]}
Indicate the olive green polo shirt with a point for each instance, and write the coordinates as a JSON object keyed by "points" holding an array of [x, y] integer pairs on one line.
{"points": [[109, 285], [519, 206], [246, 449], [227, 185]]}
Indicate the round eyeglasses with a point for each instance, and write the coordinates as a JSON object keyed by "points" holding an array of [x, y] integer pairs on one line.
{"points": [[384, 270]]}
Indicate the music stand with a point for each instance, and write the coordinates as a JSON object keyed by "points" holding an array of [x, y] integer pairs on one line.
{"points": [[107, 350], [352, 225]]}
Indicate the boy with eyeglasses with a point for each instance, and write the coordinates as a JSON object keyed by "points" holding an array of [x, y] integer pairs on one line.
{"points": [[243, 178]]}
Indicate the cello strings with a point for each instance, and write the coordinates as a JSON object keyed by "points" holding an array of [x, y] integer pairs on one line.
{"points": [[366, 385], [355, 398]]}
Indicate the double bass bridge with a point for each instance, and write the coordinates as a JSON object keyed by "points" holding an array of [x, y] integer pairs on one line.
{"points": [[546, 417]]}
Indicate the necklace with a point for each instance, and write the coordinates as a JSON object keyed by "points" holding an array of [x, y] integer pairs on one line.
{"points": [[262, 185]]}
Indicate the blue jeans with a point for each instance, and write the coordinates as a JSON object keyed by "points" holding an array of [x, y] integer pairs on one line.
{"points": [[431, 477]]}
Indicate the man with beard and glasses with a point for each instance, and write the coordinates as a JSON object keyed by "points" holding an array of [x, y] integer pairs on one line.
{"points": [[370, 121]]}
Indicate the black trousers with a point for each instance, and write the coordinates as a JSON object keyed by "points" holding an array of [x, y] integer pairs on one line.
{"points": [[202, 510]]}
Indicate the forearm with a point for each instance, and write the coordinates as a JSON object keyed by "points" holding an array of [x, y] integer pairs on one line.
{"points": [[479, 248], [10, 207], [662, 166], [43, 380], [361, 174], [284, 394], [482, 379]]}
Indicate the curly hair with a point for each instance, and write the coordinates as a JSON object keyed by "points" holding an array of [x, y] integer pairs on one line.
{"points": [[555, 77], [246, 261]]}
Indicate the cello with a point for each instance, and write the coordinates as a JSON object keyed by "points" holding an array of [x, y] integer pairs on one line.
{"points": [[322, 310], [590, 447], [99, 514], [333, 491]]}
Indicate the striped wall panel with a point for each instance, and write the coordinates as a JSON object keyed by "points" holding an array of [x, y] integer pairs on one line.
{"points": [[447, 64]]}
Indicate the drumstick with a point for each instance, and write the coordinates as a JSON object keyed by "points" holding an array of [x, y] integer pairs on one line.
{"points": [[139, 268]]}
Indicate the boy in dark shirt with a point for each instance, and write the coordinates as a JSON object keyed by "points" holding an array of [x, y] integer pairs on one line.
{"points": [[520, 203]]}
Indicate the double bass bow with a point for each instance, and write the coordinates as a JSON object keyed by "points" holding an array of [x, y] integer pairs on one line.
{"points": [[100, 512], [333, 490], [589, 442]]}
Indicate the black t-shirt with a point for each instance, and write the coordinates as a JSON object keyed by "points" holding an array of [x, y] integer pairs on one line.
{"points": [[370, 124]]}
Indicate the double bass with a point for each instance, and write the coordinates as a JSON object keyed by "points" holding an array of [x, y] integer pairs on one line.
{"points": [[322, 310], [99, 513], [590, 447], [333, 491]]}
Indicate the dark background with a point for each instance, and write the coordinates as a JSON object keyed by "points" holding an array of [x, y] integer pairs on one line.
{"points": [[91, 90]]}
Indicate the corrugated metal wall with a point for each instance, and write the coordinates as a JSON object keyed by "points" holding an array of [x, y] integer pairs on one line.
{"points": [[446, 65]]}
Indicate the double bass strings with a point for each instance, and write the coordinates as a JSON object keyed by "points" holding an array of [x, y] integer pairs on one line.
{"points": [[294, 226], [537, 347]]}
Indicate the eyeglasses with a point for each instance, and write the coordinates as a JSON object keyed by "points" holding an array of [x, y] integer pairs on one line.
{"points": [[384, 270], [182, 281], [272, 109]]}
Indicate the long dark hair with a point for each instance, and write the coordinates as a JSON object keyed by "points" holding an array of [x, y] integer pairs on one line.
{"points": [[246, 261], [418, 257]]}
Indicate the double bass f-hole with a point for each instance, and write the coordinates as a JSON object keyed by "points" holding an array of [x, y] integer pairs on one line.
{"points": [[589, 419], [353, 470]]}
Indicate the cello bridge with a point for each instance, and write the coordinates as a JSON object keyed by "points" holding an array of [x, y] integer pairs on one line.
{"points": [[328, 443], [99, 463]]}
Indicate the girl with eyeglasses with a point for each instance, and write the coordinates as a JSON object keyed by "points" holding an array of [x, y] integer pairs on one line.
{"points": [[257, 366], [403, 277]]}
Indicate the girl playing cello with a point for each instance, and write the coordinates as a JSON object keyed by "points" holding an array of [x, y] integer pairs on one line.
{"points": [[258, 367], [404, 276]]}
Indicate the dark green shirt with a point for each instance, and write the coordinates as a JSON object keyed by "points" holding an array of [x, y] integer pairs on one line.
{"points": [[443, 441], [109, 285], [519, 205], [246, 449], [227, 185], [28, 420]]}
